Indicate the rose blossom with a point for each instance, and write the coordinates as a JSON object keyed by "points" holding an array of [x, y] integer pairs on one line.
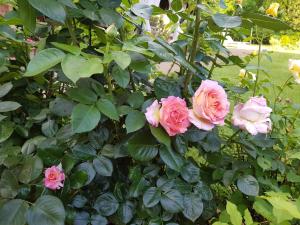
{"points": [[174, 115], [152, 113], [54, 177], [294, 67], [210, 106], [253, 116], [273, 9]]}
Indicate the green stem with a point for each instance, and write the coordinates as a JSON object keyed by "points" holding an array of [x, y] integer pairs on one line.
{"points": [[71, 31], [216, 57], [228, 142], [258, 67], [189, 76], [280, 92]]}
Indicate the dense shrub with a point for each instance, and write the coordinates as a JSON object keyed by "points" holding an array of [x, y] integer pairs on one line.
{"points": [[92, 133]]}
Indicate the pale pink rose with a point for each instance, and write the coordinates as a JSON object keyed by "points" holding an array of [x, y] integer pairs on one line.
{"points": [[210, 106], [5, 8], [54, 178], [253, 116], [152, 113], [174, 115]]}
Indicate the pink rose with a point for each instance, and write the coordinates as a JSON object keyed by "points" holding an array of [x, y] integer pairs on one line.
{"points": [[210, 106], [54, 178], [174, 115], [5, 8], [253, 116], [152, 113]]}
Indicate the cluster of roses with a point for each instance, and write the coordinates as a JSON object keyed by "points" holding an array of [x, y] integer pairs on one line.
{"points": [[210, 107]]}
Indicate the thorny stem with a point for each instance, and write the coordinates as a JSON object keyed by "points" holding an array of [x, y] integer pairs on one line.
{"points": [[258, 67], [189, 76]]}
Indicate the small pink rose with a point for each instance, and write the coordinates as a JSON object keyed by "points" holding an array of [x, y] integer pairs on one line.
{"points": [[210, 106], [253, 116], [54, 178], [152, 113], [174, 115]]}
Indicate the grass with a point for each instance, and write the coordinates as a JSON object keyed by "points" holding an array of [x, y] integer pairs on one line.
{"points": [[278, 70]]}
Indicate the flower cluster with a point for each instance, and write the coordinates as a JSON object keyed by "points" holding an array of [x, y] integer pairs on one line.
{"points": [[210, 106]]}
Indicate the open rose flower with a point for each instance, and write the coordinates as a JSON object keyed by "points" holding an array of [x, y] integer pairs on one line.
{"points": [[273, 9], [210, 106], [152, 113], [54, 178], [294, 67], [5, 8], [253, 116], [174, 115]]}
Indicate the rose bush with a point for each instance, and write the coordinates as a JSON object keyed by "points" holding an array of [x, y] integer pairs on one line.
{"points": [[92, 132]]}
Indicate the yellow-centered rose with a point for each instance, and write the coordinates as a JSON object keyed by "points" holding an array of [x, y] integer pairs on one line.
{"points": [[273, 9], [294, 67]]}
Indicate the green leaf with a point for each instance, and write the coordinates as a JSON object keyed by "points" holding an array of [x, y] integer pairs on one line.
{"points": [[176, 5], [151, 197], [98, 220], [225, 21], [235, 215], [190, 173], [47, 210], [171, 159], [142, 10], [84, 118], [84, 152], [13, 212], [78, 179], [30, 145], [121, 77], [44, 60], [32, 168], [110, 16], [5, 88], [161, 136], [108, 109], [8, 106], [165, 88], [248, 217], [106, 204], [142, 147], [264, 163], [136, 99], [263, 208], [6, 130], [49, 128], [193, 206], [88, 169], [76, 67], [8, 185], [103, 166], [134, 121], [27, 14], [265, 21], [248, 185], [83, 95], [68, 48], [61, 107], [121, 58], [126, 211], [50, 8], [68, 3], [172, 201]]}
